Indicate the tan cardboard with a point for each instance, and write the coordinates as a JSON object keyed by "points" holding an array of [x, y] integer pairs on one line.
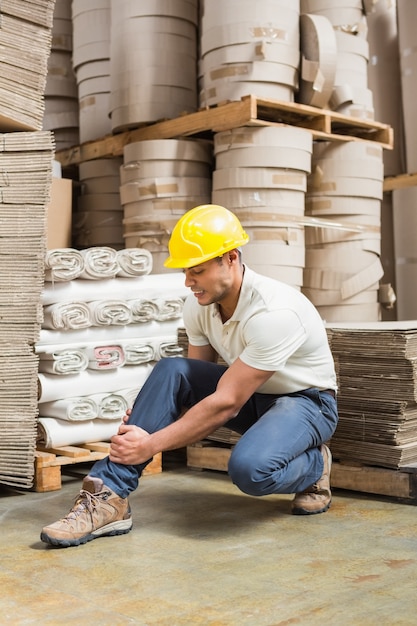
{"points": [[259, 177], [59, 214], [319, 60], [265, 156]]}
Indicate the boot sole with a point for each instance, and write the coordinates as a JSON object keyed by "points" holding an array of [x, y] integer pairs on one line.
{"points": [[306, 512], [120, 527]]}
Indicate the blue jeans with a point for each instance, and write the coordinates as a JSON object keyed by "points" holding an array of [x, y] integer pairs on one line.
{"points": [[278, 450]]}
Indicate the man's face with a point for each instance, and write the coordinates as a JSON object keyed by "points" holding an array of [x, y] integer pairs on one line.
{"points": [[211, 281]]}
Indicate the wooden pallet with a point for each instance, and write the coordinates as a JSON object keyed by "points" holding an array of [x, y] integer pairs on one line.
{"points": [[400, 484], [49, 462], [249, 111]]}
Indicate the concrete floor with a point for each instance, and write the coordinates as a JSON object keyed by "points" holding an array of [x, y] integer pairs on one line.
{"points": [[202, 553]]}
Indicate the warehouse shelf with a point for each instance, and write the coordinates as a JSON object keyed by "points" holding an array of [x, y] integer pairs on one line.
{"points": [[249, 111]]}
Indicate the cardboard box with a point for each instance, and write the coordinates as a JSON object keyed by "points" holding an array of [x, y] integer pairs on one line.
{"points": [[59, 220]]}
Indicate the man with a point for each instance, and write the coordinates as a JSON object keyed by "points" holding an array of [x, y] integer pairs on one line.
{"points": [[278, 390]]}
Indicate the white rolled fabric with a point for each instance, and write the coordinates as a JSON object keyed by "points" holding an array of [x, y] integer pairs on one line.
{"points": [[143, 310], [141, 352], [129, 395], [67, 316], [110, 405], [110, 312], [54, 433], [56, 387], [144, 287], [134, 262], [63, 362], [99, 262], [105, 357], [156, 309], [79, 408], [58, 340], [170, 349], [63, 264]]}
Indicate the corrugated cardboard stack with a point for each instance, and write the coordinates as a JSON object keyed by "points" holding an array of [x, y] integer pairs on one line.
{"points": [[377, 375], [26, 165], [25, 44]]}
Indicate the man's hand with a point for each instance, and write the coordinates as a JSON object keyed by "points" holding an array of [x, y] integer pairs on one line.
{"points": [[130, 446]]}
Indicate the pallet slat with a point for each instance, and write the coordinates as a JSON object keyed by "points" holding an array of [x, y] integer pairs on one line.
{"points": [[249, 111], [49, 461]]}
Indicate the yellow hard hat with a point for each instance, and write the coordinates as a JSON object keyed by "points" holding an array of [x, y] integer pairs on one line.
{"points": [[204, 233]]}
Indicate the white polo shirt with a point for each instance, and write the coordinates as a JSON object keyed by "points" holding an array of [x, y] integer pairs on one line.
{"points": [[274, 328]]}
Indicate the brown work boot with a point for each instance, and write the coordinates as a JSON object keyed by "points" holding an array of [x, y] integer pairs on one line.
{"points": [[317, 498], [97, 511]]}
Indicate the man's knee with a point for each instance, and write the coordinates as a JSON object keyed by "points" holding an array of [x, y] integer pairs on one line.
{"points": [[245, 475]]}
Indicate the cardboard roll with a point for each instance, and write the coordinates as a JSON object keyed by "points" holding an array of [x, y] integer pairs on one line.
{"points": [[333, 297], [351, 313], [234, 91], [99, 167], [169, 205], [280, 136], [346, 43], [96, 219], [134, 172], [94, 121], [287, 274], [272, 51], [218, 12], [145, 29], [167, 149], [149, 188], [277, 254], [170, 102], [96, 84], [339, 206], [143, 39], [347, 150], [256, 71], [347, 257], [328, 169], [285, 234], [316, 236], [186, 10], [260, 200], [319, 60], [100, 236], [101, 185], [92, 69], [130, 85], [265, 156], [99, 202], [263, 178]]}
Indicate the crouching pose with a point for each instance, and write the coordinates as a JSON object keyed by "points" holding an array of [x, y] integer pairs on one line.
{"points": [[278, 389]]}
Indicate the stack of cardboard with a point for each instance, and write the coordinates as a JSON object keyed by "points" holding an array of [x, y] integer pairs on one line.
{"points": [[26, 165], [377, 375], [25, 44]]}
